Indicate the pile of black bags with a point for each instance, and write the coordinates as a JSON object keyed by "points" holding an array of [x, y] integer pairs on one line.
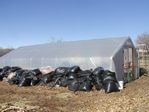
{"points": [[72, 77]]}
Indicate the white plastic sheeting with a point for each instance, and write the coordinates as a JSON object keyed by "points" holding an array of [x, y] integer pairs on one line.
{"points": [[88, 54]]}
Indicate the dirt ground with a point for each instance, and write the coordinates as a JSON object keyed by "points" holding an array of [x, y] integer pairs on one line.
{"points": [[134, 98]]}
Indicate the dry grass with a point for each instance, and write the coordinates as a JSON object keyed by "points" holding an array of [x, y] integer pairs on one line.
{"points": [[134, 98]]}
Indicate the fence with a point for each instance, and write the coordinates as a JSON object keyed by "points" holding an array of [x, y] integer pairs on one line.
{"points": [[143, 56]]}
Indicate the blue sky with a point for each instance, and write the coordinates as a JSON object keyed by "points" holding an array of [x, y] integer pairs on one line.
{"points": [[27, 22]]}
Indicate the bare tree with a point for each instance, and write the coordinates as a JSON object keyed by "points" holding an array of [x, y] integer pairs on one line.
{"points": [[143, 39]]}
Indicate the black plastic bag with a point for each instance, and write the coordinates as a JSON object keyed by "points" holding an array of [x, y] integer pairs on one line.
{"points": [[36, 72], [110, 86], [61, 71], [1, 77], [109, 78], [85, 75], [85, 86], [14, 80], [4, 72], [73, 85], [63, 82], [35, 81], [45, 79], [1, 70], [142, 71], [72, 76], [98, 86], [109, 75], [75, 69], [25, 81], [98, 83], [17, 78], [6, 68], [98, 71], [14, 69]]}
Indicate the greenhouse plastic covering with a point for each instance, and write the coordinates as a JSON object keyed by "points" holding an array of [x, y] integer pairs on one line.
{"points": [[88, 54]]}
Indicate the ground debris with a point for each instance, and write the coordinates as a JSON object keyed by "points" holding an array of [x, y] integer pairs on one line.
{"points": [[134, 98]]}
